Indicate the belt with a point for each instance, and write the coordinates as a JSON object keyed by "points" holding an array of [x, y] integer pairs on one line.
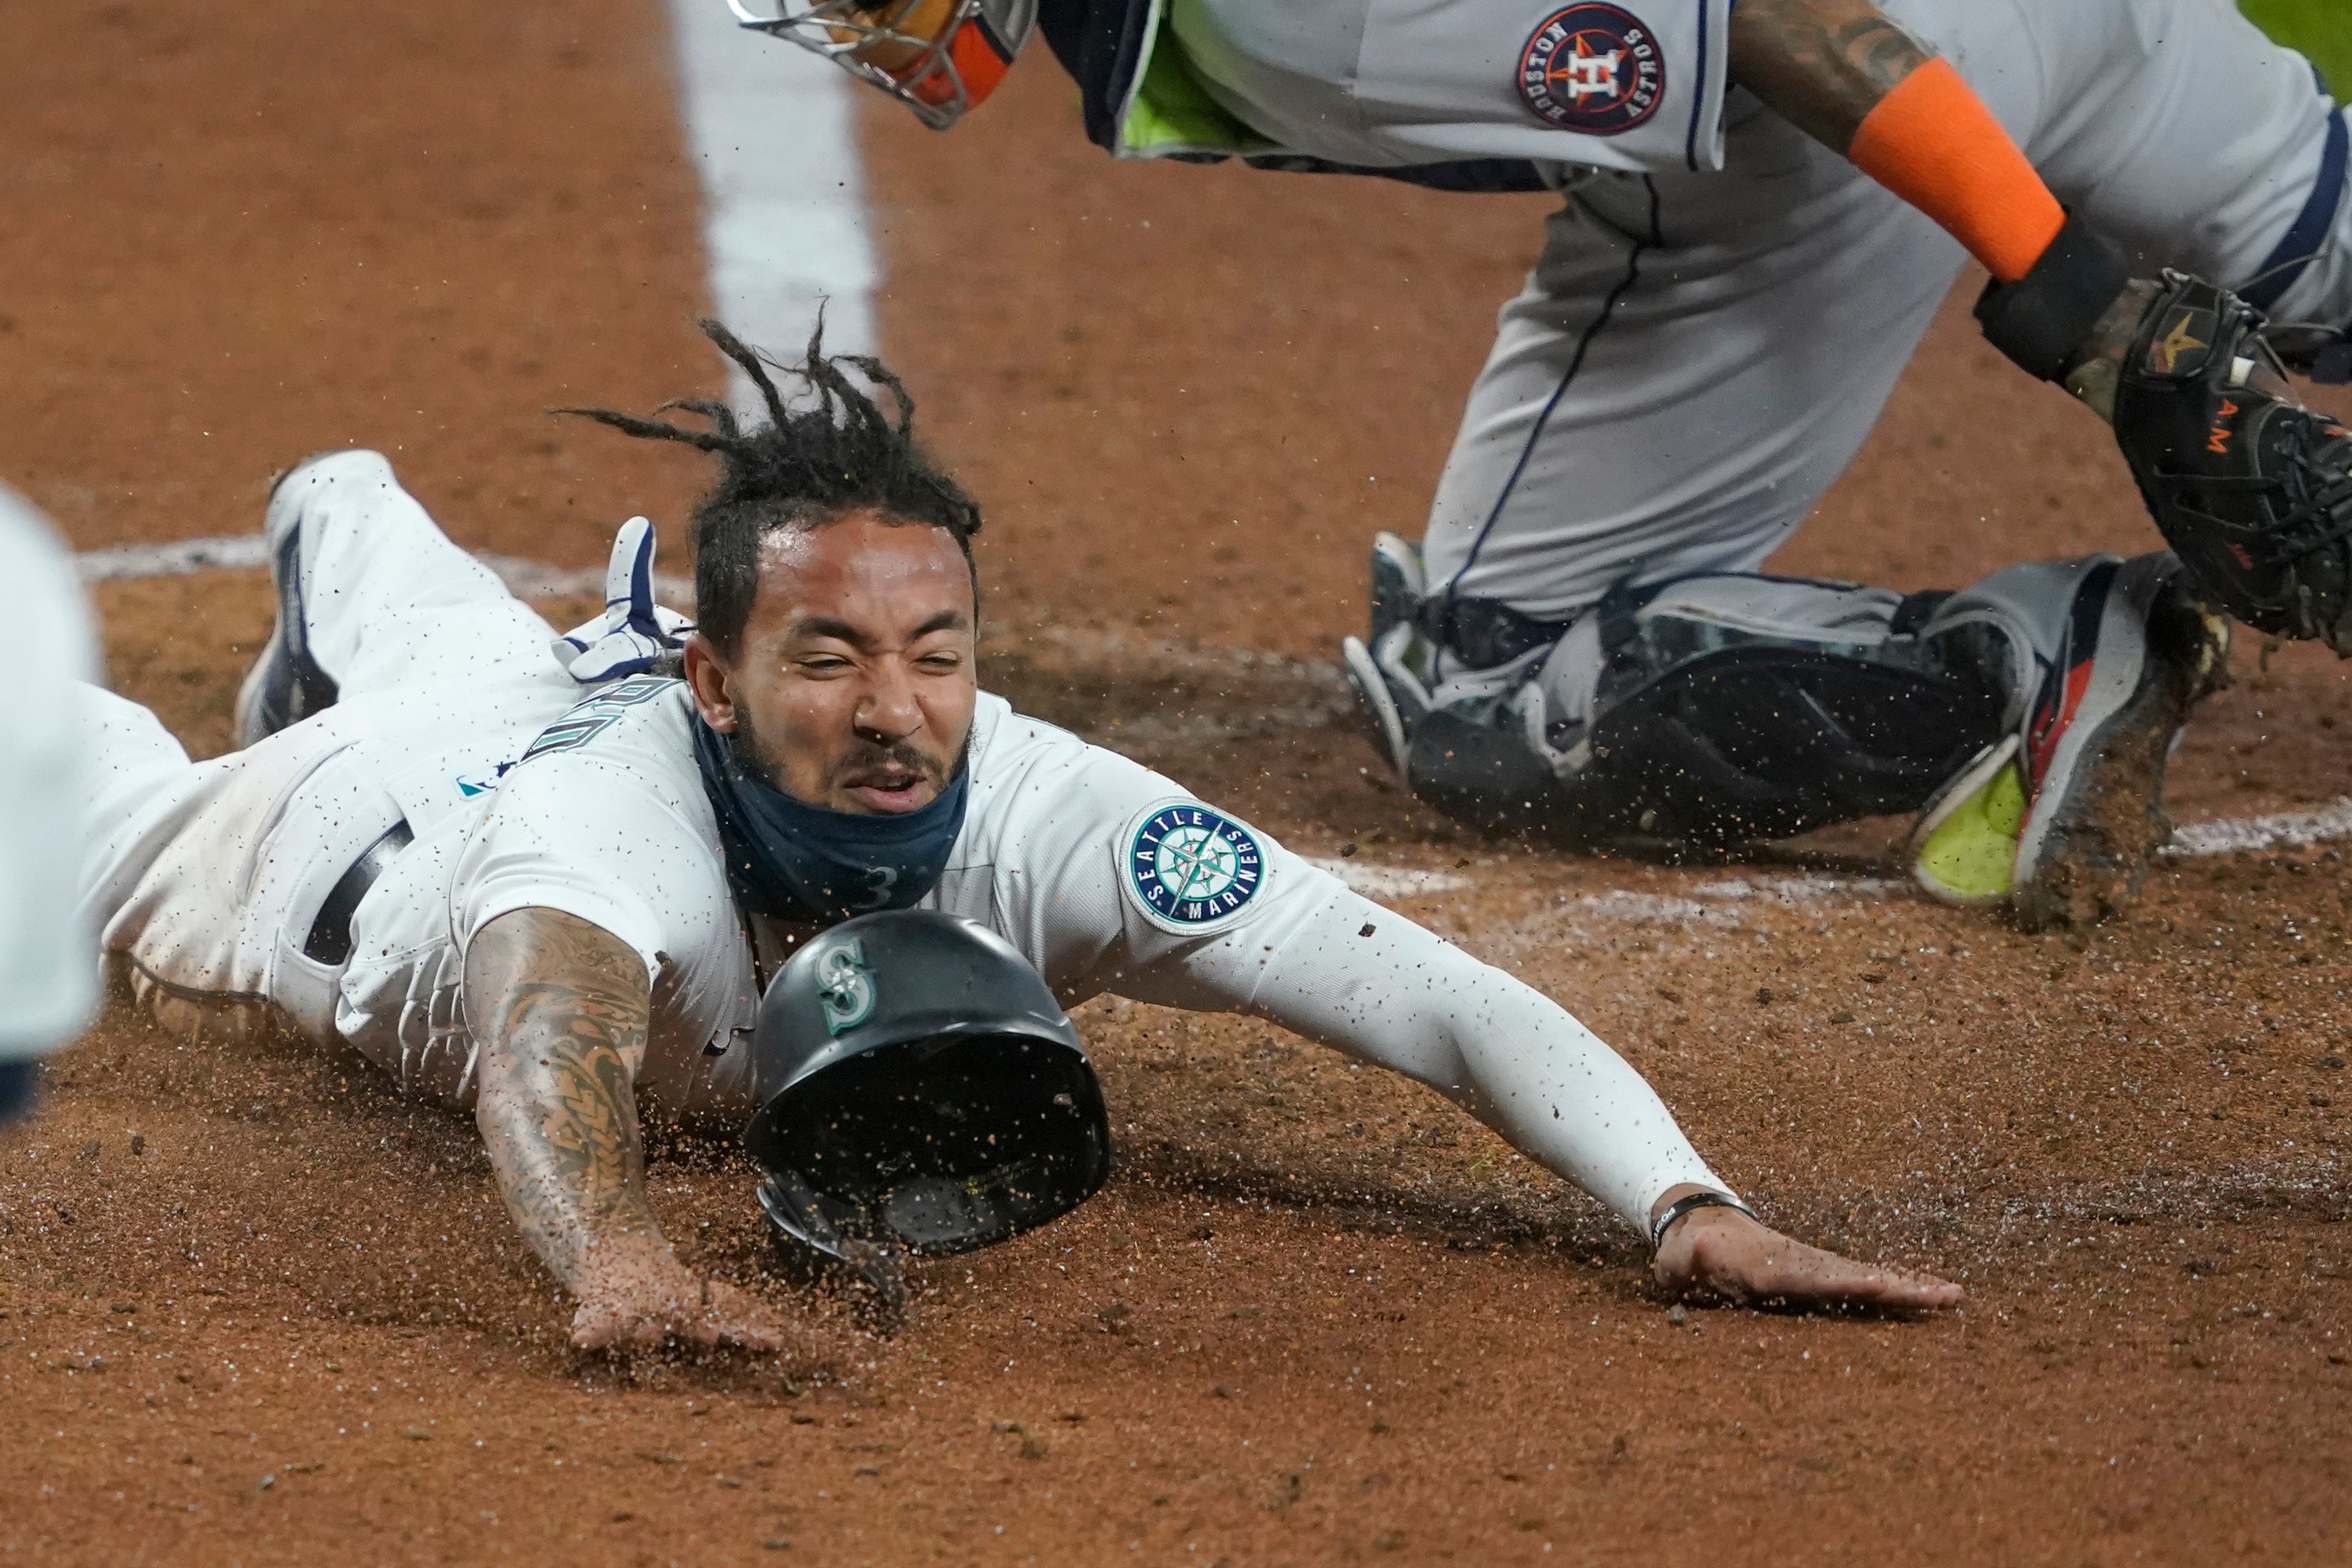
{"points": [[331, 934]]}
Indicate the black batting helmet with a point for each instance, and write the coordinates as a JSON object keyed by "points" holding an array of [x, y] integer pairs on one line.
{"points": [[919, 1089]]}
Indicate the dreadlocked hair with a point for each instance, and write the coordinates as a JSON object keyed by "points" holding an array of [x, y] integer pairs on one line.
{"points": [[802, 469]]}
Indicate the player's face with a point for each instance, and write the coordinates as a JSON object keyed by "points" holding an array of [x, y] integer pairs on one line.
{"points": [[856, 683]]}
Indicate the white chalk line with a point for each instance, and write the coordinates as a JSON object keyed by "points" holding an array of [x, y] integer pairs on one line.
{"points": [[773, 132], [2278, 830], [1727, 902], [176, 559], [183, 557], [1388, 882]]}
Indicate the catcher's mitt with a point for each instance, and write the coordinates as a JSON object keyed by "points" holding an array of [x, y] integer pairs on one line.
{"points": [[2252, 491]]}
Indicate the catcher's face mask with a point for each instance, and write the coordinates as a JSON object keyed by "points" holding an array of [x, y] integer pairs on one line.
{"points": [[939, 57]]}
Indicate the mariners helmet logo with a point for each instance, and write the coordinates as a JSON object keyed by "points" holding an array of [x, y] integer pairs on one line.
{"points": [[1191, 867], [1594, 69], [845, 987]]}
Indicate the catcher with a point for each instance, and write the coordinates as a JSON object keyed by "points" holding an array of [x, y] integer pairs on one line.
{"points": [[559, 910], [1761, 210]]}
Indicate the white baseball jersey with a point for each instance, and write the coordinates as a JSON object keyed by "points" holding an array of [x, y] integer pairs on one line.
{"points": [[1107, 877], [1067, 850], [49, 961]]}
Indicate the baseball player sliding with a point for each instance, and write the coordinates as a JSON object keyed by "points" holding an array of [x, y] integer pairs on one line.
{"points": [[1762, 209], [49, 976], [557, 908]]}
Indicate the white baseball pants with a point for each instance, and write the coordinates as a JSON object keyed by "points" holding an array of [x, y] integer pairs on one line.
{"points": [[206, 878]]}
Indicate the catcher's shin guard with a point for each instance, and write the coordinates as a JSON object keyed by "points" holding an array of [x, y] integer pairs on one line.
{"points": [[285, 685], [1714, 721], [2252, 491]]}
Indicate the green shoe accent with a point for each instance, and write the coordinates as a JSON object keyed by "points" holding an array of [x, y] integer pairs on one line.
{"points": [[1970, 857]]}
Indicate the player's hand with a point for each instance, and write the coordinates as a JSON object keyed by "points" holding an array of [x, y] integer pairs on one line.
{"points": [[640, 1297], [1724, 1251]]}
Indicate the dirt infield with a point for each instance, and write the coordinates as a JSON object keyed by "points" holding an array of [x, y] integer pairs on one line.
{"points": [[257, 1310]]}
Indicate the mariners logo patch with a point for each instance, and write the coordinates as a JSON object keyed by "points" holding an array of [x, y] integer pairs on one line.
{"points": [[1191, 869], [1592, 68]]}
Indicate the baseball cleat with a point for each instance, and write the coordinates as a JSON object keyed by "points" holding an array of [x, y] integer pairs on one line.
{"points": [[285, 685], [2137, 654], [1964, 849]]}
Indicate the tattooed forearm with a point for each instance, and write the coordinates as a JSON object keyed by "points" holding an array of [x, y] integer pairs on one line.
{"points": [[558, 1009], [1822, 64]]}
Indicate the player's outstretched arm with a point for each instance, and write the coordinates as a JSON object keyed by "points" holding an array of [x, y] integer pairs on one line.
{"points": [[560, 1009], [1345, 971], [1723, 1252]]}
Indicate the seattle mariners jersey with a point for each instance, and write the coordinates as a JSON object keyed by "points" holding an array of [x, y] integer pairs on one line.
{"points": [[206, 878], [1105, 875]]}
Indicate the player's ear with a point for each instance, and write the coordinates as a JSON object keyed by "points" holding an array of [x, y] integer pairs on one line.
{"points": [[714, 689]]}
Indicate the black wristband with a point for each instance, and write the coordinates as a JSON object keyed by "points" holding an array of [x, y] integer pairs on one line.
{"points": [[2040, 320], [1684, 1204]]}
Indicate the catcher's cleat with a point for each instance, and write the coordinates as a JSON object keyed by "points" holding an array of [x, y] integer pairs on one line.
{"points": [[2138, 653], [285, 685], [2252, 491], [1964, 849]]}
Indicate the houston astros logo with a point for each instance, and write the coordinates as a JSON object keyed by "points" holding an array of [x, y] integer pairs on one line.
{"points": [[1594, 69], [2169, 354], [1190, 867]]}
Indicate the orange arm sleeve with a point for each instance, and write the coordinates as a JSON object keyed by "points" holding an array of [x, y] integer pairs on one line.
{"points": [[1933, 142]]}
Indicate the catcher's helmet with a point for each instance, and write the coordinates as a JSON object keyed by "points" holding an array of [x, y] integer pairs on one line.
{"points": [[919, 1089], [939, 57]]}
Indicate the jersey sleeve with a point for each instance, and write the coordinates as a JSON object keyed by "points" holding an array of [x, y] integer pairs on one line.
{"points": [[1330, 965], [1633, 86], [1401, 83], [1110, 878], [1364, 979], [590, 837]]}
